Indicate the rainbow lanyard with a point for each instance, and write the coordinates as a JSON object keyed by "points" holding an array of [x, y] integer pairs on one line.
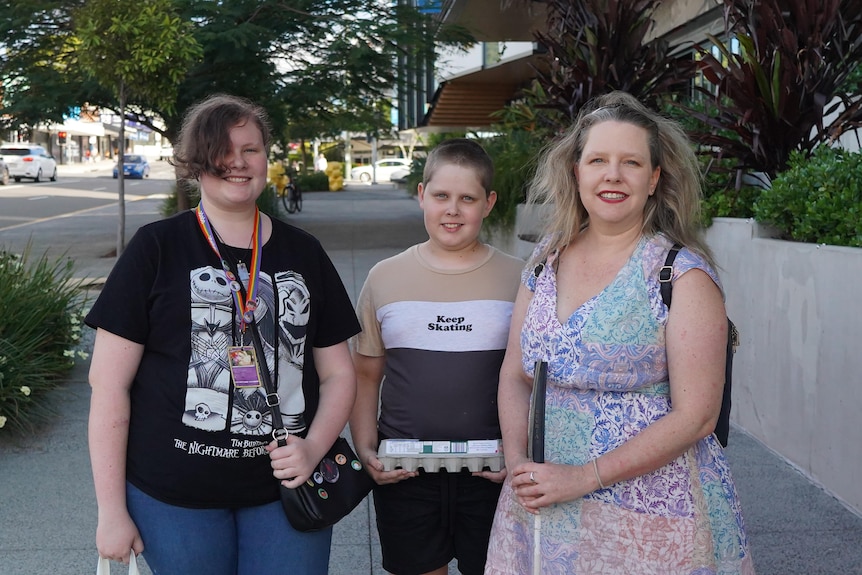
{"points": [[246, 309]]}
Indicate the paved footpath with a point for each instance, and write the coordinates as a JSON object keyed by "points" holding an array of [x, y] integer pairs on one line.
{"points": [[47, 503]]}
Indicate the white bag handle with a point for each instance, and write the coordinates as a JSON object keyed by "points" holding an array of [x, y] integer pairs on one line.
{"points": [[104, 567]]}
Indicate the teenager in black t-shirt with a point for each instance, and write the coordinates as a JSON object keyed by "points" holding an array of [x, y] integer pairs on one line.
{"points": [[180, 432]]}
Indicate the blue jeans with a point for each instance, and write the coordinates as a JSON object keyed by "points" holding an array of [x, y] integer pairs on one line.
{"points": [[243, 541]]}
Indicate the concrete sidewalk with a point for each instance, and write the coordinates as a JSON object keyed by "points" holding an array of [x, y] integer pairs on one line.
{"points": [[47, 503]]}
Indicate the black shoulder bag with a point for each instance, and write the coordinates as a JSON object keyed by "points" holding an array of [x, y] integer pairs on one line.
{"points": [[722, 426], [338, 484]]}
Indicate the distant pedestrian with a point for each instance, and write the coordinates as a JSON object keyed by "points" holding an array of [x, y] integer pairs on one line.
{"points": [[435, 319], [321, 164], [181, 442]]}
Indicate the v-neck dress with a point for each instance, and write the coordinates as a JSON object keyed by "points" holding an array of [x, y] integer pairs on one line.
{"points": [[608, 380]]}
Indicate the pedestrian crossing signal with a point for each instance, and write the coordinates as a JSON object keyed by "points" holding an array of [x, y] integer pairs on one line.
{"points": [[61, 137]]}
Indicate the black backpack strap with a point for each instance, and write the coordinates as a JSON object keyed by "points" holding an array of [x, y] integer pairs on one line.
{"points": [[665, 275], [537, 271], [548, 260], [722, 426]]}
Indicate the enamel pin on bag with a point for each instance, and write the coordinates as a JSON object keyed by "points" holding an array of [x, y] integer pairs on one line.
{"points": [[337, 486]]}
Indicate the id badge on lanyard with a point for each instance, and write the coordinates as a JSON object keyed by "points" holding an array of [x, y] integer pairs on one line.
{"points": [[244, 367]]}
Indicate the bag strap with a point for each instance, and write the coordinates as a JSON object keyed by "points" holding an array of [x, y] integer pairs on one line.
{"points": [[104, 565], [547, 261], [279, 432], [665, 275]]}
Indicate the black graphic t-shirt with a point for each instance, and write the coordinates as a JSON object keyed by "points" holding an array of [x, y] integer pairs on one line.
{"points": [[195, 439]]}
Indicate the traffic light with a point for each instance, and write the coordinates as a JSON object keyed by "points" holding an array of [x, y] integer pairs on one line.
{"points": [[61, 137]]}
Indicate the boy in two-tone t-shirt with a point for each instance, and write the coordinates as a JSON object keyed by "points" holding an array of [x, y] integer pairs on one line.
{"points": [[435, 321]]}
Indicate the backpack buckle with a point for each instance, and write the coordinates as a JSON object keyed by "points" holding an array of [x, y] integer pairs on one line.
{"points": [[665, 274], [734, 337]]}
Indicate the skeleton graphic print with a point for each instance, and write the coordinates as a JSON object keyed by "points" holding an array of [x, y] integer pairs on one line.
{"points": [[212, 403], [196, 439]]}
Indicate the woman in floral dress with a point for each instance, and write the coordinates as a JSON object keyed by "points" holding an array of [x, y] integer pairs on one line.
{"points": [[634, 481]]}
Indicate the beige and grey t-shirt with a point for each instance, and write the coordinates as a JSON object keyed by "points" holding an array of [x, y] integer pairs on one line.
{"points": [[443, 334]]}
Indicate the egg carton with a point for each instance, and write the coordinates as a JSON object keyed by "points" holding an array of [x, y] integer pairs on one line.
{"points": [[432, 456]]}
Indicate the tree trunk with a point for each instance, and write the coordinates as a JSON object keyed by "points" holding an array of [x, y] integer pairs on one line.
{"points": [[184, 188], [121, 194]]}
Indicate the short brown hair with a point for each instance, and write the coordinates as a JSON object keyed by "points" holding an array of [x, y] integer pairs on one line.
{"points": [[204, 138], [462, 152]]}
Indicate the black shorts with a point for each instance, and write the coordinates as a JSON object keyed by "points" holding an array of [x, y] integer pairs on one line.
{"points": [[426, 521]]}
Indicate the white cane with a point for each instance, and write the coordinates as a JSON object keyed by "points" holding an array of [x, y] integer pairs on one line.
{"points": [[536, 449], [537, 544]]}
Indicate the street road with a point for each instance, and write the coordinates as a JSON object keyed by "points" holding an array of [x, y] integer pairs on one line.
{"points": [[75, 191]]}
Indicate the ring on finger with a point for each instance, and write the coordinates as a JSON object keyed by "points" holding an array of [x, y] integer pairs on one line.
{"points": [[532, 478]]}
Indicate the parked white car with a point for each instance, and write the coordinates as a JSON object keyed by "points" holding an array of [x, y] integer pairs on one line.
{"points": [[390, 169], [29, 161], [4, 172]]}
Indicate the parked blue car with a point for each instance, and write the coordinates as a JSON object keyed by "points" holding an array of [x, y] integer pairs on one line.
{"points": [[134, 166]]}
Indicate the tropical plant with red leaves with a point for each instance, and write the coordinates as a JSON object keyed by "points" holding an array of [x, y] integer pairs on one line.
{"points": [[785, 88], [597, 46]]}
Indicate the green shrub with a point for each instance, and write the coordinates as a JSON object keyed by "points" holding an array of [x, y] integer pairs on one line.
{"points": [[721, 199], [169, 205], [728, 203], [514, 154], [313, 182], [268, 200], [818, 199], [414, 178], [41, 309]]}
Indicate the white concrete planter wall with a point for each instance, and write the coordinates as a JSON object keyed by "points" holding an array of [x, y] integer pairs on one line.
{"points": [[798, 372], [797, 377]]}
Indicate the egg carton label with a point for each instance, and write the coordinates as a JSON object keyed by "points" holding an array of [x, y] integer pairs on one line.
{"points": [[432, 456]]}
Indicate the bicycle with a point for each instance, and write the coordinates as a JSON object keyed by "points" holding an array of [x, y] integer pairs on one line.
{"points": [[291, 198]]}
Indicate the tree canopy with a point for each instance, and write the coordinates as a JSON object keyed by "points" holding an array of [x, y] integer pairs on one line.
{"points": [[300, 59], [142, 51], [145, 50]]}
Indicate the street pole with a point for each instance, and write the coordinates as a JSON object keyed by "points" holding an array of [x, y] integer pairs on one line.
{"points": [[121, 188], [373, 159]]}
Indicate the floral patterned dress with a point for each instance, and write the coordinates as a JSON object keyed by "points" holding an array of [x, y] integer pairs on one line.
{"points": [[608, 380]]}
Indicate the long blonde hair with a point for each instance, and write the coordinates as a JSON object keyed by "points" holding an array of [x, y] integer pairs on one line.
{"points": [[674, 208]]}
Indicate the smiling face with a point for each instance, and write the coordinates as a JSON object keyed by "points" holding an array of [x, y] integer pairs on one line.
{"points": [[615, 174], [455, 203], [245, 163]]}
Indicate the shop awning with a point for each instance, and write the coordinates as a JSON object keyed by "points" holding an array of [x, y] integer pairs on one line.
{"points": [[79, 128], [114, 130], [467, 102]]}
